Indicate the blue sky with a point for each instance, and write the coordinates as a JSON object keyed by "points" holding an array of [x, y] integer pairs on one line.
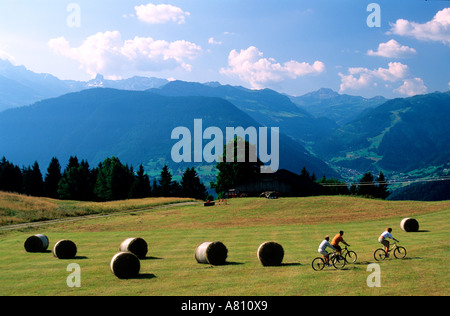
{"points": [[291, 46]]}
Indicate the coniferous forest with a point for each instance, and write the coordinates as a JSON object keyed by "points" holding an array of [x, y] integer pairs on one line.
{"points": [[109, 181]]}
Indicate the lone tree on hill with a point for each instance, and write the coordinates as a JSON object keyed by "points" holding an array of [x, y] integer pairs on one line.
{"points": [[240, 170]]}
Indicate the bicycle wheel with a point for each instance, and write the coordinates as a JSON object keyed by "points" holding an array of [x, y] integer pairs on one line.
{"points": [[318, 264], [338, 262], [400, 252], [379, 254], [351, 257]]}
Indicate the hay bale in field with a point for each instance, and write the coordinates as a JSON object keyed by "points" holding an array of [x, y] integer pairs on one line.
{"points": [[36, 243], [214, 253], [270, 254], [65, 249], [137, 246], [125, 265], [409, 225]]}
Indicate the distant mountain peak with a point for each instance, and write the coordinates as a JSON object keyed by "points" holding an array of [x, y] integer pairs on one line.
{"points": [[97, 82], [322, 93], [213, 84]]}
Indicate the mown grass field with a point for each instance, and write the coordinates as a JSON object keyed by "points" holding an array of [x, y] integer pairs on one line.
{"points": [[298, 224]]}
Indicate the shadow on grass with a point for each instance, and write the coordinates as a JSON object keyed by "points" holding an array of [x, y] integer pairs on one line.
{"points": [[145, 276], [290, 264], [231, 263], [152, 258]]}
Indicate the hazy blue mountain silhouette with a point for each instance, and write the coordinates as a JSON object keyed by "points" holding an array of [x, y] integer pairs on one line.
{"points": [[135, 126]]}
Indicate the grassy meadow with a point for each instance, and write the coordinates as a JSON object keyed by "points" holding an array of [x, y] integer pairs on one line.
{"points": [[18, 208], [298, 224]]}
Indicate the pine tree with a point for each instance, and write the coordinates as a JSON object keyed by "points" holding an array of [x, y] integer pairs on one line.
{"points": [[141, 187], [11, 178], [33, 183], [167, 187], [304, 173], [52, 179], [155, 188], [76, 181], [191, 186]]}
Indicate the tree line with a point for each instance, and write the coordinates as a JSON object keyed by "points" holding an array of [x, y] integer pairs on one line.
{"points": [[109, 181], [368, 186]]}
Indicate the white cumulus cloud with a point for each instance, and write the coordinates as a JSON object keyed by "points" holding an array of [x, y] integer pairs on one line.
{"points": [[212, 41], [160, 14], [392, 49], [108, 54], [251, 67], [438, 29], [412, 87], [361, 78]]}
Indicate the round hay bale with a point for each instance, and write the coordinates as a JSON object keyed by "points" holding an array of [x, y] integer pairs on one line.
{"points": [[214, 253], [36, 243], [409, 225], [65, 249], [270, 254], [125, 265], [137, 246]]}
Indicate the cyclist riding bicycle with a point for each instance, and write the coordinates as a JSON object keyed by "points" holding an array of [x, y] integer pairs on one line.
{"points": [[322, 249], [336, 240], [384, 242]]}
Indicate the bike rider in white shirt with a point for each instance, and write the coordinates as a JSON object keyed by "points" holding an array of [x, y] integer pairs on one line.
{"points": [[384, 242], [322, 249]]}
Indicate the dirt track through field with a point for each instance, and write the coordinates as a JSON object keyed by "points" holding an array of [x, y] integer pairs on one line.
{"points": [[87, 217]]}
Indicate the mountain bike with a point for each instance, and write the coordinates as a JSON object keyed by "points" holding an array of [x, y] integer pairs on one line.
{"points": [[399, 252], [349, 255], [337, 261]]}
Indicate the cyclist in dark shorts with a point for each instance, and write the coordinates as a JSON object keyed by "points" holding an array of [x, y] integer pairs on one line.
{"points": [[336, 240]]}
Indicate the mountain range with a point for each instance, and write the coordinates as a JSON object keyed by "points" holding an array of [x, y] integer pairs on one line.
{"points": [[20, 86], [341, 108], [400, 135], [265, 106], [135, 126], [330, 133]]}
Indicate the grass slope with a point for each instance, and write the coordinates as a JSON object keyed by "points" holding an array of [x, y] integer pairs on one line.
{"points": [[298, 224], [17, 208]]}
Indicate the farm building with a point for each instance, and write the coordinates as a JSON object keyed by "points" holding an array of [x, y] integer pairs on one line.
{"points": [[284, 182]]}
